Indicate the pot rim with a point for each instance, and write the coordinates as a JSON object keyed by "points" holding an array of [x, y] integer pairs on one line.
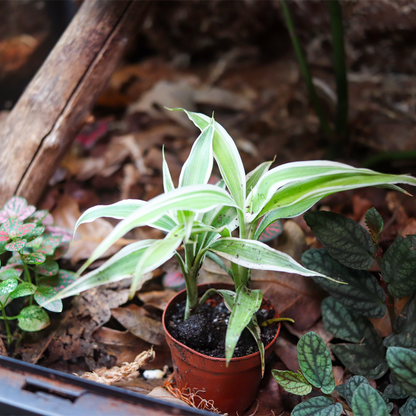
{"points": [[216, 359]]}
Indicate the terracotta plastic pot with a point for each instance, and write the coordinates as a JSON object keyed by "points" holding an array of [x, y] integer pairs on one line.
{"points": [[233, 388]]}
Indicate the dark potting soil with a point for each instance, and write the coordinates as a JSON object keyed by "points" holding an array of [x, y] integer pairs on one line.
{"points": [[205, 331]]}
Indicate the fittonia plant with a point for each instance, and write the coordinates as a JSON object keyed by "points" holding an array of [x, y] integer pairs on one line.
{"points": [[202, 217], [35, 244]]}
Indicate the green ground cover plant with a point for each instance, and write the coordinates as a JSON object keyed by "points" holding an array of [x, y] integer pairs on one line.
{"points": [[205, 219], [349, 251], [31, 275]]}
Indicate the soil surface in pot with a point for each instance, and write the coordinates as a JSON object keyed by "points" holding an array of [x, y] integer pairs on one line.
{"points": [[205, 331]]}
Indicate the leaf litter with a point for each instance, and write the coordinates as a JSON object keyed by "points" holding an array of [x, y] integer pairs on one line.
{"points": [[264, 104]]}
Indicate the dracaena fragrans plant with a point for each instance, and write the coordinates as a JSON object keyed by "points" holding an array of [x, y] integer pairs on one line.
{"points": [[357, 395], [201, 217], [31, 272]]}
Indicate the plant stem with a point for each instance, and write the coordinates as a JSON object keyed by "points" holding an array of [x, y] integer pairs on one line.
{"points": [[304, 69], [27, 273], [338, 51], [390, 308], [6, 323]]}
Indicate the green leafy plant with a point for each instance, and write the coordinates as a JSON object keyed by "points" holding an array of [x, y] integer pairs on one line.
{"points": [[31, 271], [349, 251], [202, 217], [356, 395]]}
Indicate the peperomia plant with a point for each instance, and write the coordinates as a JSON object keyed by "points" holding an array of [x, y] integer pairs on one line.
{"points": [[357, 395], [349, 251], [34, 243], [202, 217]]}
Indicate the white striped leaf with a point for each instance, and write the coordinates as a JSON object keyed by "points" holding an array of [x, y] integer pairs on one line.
{"points": [[256, 255], [167, 177], [201, 198], [121, 210], [320, 187]]}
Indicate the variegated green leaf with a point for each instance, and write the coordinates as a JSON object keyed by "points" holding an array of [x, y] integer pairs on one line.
{"points": [[247, 303], [374, 223], [49, 244], [7, 286], [402, 362], [266, 221], [198, 167], [398, 266], [48, 268], [257, 255], [33, 318], [45, 293], [167, 178], [16, 245], [227, 156], [404, 329], [35, 233], [16, 207], [409, 408], [34, 258], [120, 266], [366, 401], [362, 293], [11, 227], [255, 175], [315, 188], [157, 254], [122, 210], [59, 282], [24, 289], [315, 362], [318, 406], [344, 239], [201, 198], [37, 216], [253, 327], [9, 273], [294, 383], [347, 390]]}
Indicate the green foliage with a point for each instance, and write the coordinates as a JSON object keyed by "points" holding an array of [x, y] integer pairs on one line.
{"points": [[201, 218], [409, 408], [348, 250], [35, 243], [294, 383], [318, 406], [315, 362]]}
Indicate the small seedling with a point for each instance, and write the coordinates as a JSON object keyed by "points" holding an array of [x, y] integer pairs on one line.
{"points": [[32, 271]]}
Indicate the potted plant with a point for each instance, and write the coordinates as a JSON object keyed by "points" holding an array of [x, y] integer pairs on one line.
{"points": [[202, 217]]}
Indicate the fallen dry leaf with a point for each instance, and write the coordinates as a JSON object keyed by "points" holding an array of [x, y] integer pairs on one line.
{"points": [[134, 319], [2, 348], [125, 346], [156, 298], [88, 236], [163, 394], [294, 296], [287, 352], [126, 371], [382, 325]]}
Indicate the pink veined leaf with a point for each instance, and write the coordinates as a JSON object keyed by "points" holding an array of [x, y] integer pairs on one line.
{"points": [[25, 213], [4, 237], [11, 226], [37, 216], [16, 245], [44, 293], [56, 230], [271, 232], [35, 233], [34, 258], [25, 229], [59, 282], [48, 220], [60, 251], [49, 245], [49, 268], [16, 208], [173, 280]]}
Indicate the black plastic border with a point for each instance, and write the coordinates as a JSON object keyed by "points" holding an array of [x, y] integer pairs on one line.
{"points": [[96, 388]]}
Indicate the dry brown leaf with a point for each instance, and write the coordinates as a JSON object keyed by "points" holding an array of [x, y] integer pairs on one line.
{"points": [[135, 320], [156, 298], [410, 227], [163, 394], [292, 240], [294, 296], [126, 371], [125, 346], [287, 352], [382, 325], [88, 236]]}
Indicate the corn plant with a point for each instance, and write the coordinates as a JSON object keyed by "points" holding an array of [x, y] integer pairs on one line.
{"points": [[201, 217]]}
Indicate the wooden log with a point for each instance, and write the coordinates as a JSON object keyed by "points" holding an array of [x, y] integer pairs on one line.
{"points": [[51, 110]]}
